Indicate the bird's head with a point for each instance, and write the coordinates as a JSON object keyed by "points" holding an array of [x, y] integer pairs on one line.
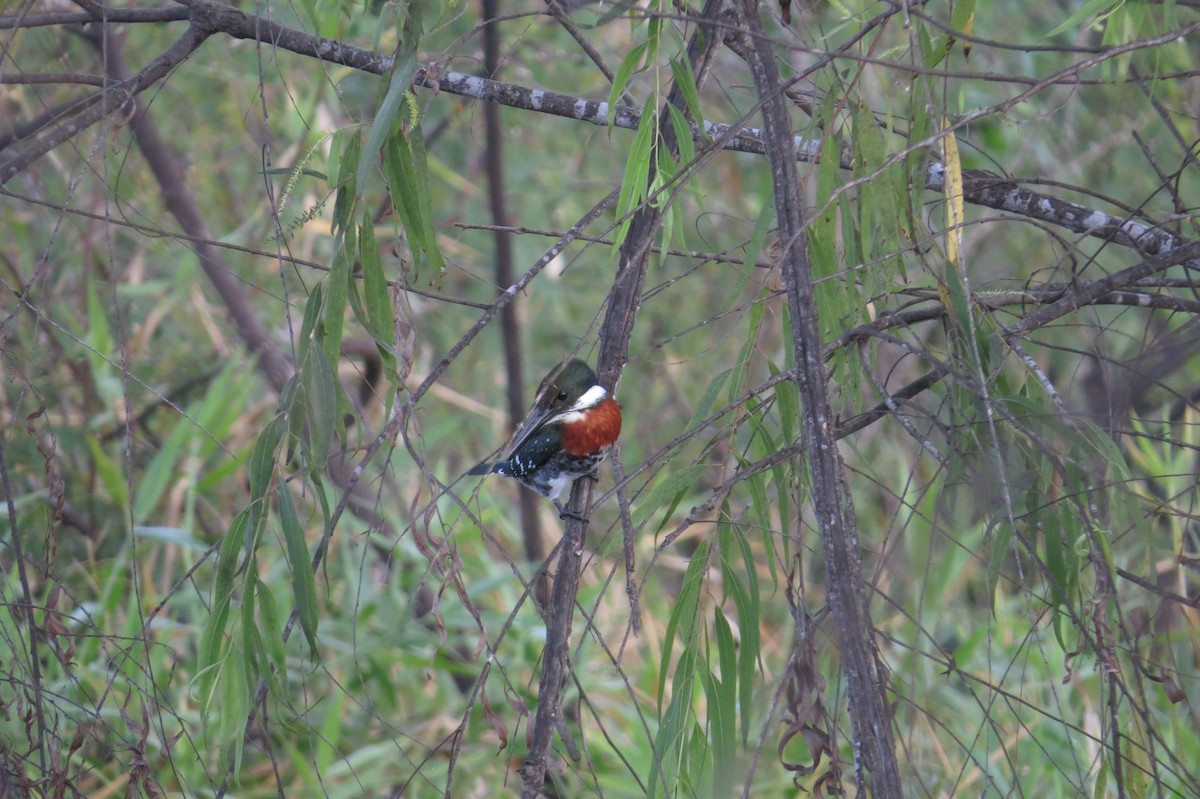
{"points": [[569, 387]]}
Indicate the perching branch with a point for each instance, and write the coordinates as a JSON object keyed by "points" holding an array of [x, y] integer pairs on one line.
{"points": [[624, 301]]}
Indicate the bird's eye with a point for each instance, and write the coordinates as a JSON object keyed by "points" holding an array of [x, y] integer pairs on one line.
{"points": [[562, 395]]}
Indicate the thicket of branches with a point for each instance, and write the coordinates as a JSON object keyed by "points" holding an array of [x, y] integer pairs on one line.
{"points": [[900, 300]]}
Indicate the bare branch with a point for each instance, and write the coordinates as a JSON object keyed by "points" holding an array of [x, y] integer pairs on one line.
{"points": [[172, 13]]}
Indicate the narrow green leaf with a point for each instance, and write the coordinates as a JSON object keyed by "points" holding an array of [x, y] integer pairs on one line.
{"points": [[932, 50], [262, 474], [312, 316], [324, 391], [212, 650], [637, 173], [234, 710], [420, 165], [212, 654], [787, 403], [404, 68], [685, 612], [303, 583], [408, 179], [823, 234], [669, 174], [347, 191], [739, 571], [323, 500], [687, 147], [682, 72], [669, 741], [621, 78], [704, 406], [272, 627], [333, 164], [962, 13], [339, 288], [701, 767], [254, 652], [262, 459], [1052, 536], [227, 557], [376, 296], [722, 708]]}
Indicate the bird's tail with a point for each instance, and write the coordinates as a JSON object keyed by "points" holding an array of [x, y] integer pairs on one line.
{"points": [[483, 467]]}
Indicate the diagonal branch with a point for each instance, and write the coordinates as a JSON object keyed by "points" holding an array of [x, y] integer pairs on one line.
{"points": [[116, 97], [179, 201], [1091, 292]]}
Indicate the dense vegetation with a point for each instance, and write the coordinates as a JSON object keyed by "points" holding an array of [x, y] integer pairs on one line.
{"points": [[905, 498]]}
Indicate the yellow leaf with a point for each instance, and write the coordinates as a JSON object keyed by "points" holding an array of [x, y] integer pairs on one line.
{"points": [[954, 195]]}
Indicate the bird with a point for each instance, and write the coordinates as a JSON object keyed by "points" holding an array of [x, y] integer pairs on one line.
{"points": [[570, 430]]}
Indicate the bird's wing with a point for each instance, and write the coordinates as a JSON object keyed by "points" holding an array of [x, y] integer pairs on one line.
{"points": [[532, 452]]}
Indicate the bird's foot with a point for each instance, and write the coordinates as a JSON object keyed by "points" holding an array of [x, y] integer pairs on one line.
{"points": [[564, 513]]}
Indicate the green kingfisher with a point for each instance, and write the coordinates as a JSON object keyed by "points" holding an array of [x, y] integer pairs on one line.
{"points": [[573, 425]]}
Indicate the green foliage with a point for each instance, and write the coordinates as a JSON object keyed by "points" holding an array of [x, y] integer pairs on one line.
{"points": [[1023, 560]]}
